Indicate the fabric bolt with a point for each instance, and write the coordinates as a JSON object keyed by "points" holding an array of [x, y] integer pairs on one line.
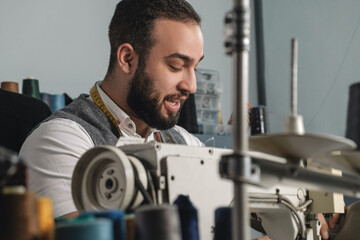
{"points": [[53, 149], [19, 114]]}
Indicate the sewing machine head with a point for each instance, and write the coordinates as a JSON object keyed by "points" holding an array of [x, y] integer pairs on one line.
{"points": [[107, 177]]}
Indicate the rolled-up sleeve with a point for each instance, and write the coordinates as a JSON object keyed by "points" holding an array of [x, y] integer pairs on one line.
{"points": [[51, 153]]}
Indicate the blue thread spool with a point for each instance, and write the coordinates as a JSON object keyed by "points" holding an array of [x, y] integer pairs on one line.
{"points": [[223, 223], [57, 102], [46, 98], [85, 229], [188, 218], [117, 217]]}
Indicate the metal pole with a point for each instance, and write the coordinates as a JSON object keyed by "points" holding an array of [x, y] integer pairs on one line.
{"points": [[260, 52], [240, 110], [294, 76]]}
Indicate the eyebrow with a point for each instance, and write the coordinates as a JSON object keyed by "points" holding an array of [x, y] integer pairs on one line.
{"points": [[183, 57]]}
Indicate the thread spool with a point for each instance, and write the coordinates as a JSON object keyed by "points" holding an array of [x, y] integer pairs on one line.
{"points": [[46, 218], [57, 102], [12, 170], [130, 226], [30, 87], [18, 212], [117, 218], [85, 229], [188, 218], [10, 86], [258, 120], [223, 223], [353, 114], [46, 98], [157, 223]]}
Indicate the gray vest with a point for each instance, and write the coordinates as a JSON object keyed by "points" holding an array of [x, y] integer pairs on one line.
{"points": [[100, 128]]}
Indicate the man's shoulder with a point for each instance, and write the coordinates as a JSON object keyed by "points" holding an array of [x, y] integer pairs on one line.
{"points": [[190, 139]]}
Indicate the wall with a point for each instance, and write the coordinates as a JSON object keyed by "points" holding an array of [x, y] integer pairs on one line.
{"points": [[62, 43], [329, 60]]}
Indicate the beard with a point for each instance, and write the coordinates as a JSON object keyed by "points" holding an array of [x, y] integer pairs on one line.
{"points": [[144, 100]]}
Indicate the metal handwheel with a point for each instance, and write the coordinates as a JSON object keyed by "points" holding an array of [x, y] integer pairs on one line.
{"points": [[104, 178]]}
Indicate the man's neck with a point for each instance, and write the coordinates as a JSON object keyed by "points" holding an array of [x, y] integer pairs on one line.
{"points": [[118, 96], [141, 128]]}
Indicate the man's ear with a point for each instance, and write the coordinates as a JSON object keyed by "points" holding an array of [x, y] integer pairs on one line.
{"points": [[126, 57]]}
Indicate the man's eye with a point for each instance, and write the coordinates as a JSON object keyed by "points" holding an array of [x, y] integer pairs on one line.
{"points": [[175, 69]]}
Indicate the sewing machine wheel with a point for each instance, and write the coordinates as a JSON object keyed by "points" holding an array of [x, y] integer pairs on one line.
{"points": [[295, 147], [104, 178]]}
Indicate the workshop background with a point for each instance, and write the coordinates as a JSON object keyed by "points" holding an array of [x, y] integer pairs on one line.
{"points": [[64, 44]]}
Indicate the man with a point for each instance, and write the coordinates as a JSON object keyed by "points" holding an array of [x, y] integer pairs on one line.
{"points": [[156, 46], [155, 49]]}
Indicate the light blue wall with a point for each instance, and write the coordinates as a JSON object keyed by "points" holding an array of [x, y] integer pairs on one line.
{"points": [[329, 60], [64, 44]]}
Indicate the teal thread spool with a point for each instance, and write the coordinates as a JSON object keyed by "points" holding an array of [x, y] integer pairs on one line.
{"points": [[57, 102], [30, 87], [85, 229], [116, 216]]}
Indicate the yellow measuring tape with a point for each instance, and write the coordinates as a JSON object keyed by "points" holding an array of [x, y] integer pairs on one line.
{"points": [[99, 102]]}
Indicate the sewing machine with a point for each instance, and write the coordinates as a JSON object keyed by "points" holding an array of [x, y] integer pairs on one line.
{"points": [[105, 179]]}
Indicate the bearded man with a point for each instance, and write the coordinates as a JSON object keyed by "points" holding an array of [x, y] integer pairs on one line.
{"points": [[156, 46]]}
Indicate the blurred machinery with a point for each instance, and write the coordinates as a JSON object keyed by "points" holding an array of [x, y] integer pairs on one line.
{"points": [[109, 177]]}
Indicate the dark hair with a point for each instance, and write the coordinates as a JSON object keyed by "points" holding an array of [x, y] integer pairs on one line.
{"points": [[133, 22]]}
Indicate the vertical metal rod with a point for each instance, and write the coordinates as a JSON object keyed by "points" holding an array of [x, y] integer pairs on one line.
{"points": [[240, 126], [294, 77], [240, 138], [260, 52]]}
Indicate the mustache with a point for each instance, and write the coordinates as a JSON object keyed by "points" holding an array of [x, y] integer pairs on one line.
{"points": [[179, 95]]}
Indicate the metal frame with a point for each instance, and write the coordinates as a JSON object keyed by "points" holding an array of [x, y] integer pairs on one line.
{"points": [[237, 43]]}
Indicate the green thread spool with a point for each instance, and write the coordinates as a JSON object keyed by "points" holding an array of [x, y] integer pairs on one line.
{"points": [[30, 87]]}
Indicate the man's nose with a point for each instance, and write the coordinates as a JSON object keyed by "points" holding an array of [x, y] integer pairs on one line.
{"points": [[188, 83]]}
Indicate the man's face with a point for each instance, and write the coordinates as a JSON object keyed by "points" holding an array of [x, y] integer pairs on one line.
{"points": [[162, 83]]}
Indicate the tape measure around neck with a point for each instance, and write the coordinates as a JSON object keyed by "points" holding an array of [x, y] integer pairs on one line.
{"points": [[99, 102]]}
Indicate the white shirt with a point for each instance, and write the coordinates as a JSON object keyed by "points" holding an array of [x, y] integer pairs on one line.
{"points": [[53, 149]]}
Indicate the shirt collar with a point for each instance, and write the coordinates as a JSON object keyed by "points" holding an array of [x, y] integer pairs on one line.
{"points": [[123, 120]]}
